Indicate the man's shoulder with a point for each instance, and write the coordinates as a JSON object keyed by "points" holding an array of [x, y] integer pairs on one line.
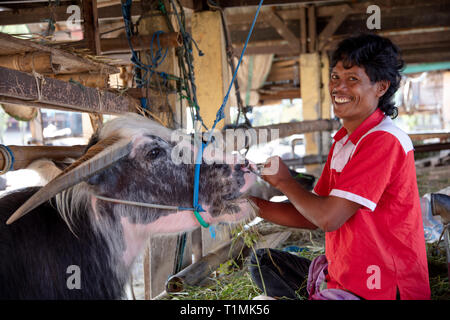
{"points": [[388, 132]]}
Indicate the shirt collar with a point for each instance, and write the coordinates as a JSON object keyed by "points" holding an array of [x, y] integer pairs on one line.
{"points": [[371, 121]]}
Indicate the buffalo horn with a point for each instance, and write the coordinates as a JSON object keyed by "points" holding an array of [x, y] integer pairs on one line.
{"points": [[88, 165]]}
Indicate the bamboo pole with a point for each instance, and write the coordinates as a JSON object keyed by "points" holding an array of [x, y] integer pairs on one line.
{"points": [[141, 42], [94, 80], [24, 155], [287, 129], [40, 62]]}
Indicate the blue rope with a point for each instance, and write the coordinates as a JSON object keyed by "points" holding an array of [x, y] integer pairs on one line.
{"points": [[7, 159], [156, 58]]}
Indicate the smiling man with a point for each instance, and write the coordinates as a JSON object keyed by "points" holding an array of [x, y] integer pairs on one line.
{"points": [[366, 199]]}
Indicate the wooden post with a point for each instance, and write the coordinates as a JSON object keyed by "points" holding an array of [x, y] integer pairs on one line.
{"points": [[311, 29], [211, 70], [159, 263], [197, 246], [325, 100], [147, 280], [311, 97], [36, 128], [91, 29], [86, 124], [446, 99], [303, 36]]}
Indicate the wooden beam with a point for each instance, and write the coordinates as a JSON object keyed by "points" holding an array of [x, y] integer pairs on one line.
{"points": [[413, 37], [91, 29], [426, 55], [24, 155], [405, 39], [431, 147], [306, 160], [312, 29], [248, 3], [278, 74], [108, 3], [443, 135], [68, 62], [333, 25], [21, 88], [266, 47], [303, 33], [280, 95], [59, 13], [280, 26], [118, 45], [288, 129]]}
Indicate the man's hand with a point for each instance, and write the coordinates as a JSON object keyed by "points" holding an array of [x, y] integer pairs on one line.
{"points": [[276, 173]]}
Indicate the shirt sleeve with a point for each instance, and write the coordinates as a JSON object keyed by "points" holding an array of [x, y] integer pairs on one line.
{"points": [[372, 167]]}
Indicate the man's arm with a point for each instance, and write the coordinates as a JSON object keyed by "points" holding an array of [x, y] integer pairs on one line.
{"points": [[282, 213], [328, 213]]}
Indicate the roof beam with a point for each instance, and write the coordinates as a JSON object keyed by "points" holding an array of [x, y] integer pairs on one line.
{"points": [[249, 3], [91, 29], [266, 47], [333, 25], [406, 37], [280, 26], [22, 88], [426, 55], [59, 14]]}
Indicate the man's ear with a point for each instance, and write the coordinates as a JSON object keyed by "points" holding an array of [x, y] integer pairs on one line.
{"points": [[383, 86]]}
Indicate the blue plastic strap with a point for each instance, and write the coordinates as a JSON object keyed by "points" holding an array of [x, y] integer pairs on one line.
{"points": [[198, 207], [212, 231], [12, 157]]}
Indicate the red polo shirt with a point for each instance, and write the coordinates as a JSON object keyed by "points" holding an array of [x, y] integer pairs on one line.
{"points": [[382, 246]]}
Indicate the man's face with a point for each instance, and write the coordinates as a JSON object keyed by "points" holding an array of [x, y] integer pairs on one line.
{"points": [[353, 95]]}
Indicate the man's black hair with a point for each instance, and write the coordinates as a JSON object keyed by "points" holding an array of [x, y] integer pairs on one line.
{"points": [[381, 60]]}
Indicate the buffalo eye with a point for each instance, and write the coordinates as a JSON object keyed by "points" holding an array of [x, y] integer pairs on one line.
{"points": [[154, 153]]}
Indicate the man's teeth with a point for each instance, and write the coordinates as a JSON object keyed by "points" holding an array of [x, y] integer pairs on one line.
{"points": [[342, 100]]}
